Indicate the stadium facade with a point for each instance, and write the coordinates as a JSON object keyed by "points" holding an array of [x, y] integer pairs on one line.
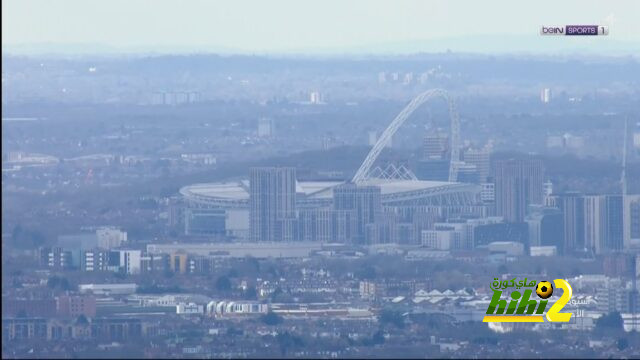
{"points": [[273, 206]]}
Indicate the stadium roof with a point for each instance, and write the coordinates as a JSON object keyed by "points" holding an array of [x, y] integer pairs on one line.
{"points": [[237, 192]]}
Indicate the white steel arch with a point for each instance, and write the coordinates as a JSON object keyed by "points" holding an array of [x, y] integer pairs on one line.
{"points": [[401, 118]]}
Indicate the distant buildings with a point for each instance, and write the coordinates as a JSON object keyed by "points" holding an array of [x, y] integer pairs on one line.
{"points": [[199, 158], [546, 227], [591, 222], [110, 237], [100, 260], [266, 127], [566, 142], [198, 221], [631, 222], [518, 184], [74, 306], [435, 146], [130, 261], [545, 95], [316, 98], [110, 289], [435, 161], [572, 206], [481, 159], [175, 97], [56, 258]]}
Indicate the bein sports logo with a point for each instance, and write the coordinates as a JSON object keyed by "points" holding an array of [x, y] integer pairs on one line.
{"points": [[575, 30], [521, 308]]}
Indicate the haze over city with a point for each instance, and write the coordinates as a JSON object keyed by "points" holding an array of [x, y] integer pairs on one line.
{"points": [[353, 179]]}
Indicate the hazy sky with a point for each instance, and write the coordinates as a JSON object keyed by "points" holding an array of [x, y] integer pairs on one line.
{"points": [[283, 25]]}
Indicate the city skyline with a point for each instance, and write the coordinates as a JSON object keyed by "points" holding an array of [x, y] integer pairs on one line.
{"points": [[286, 179]]}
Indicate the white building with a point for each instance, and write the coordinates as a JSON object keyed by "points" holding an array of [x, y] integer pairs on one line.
{"points": [[316, 98], [367, 290], [545, 95], [543, 250], [189, 308], [104, 289], [222, 308], [201, 158], [130, 261], [510, 248], [438, 239]]}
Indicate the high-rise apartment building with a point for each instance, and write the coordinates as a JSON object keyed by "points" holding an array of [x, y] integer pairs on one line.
{"points": [[631, 222], [364, 205], [518, 184], [572, 206], [272, 204]]}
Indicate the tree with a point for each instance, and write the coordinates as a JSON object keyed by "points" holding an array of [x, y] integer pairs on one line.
{"points": [[271, 319], [250, 293], [223, 284], [391, 317], [622, 343], [82, 320], [64, 284], [59, 282], [286, 341], [277, 292], [23, 238], [502, 269], [378, 338], [368, 272], [611, 321]]}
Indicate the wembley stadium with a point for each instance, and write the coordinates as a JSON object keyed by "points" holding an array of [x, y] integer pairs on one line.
{"points": [[398, 185], [235, 195]]}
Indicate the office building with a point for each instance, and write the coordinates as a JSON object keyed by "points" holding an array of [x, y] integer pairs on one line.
{"points": [[56, 258], [154, 263], [97, 260]]}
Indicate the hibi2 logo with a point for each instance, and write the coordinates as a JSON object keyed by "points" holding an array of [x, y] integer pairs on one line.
{"points": [[521, 308]]}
